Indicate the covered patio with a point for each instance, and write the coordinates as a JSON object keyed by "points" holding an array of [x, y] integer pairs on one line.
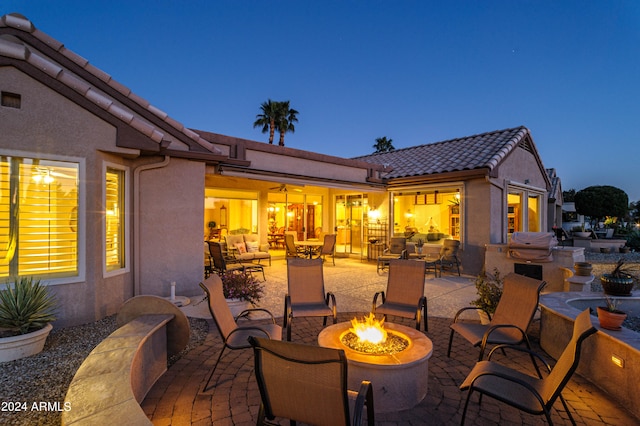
{"points": [[177, 398]]}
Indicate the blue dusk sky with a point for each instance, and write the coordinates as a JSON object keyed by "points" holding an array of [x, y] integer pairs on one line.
{"points": [[413, 71]]}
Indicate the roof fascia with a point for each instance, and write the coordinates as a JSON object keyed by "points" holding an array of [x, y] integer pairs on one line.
{"points": [[438, 178]]}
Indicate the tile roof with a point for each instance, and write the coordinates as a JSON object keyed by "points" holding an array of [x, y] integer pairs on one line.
{"points": [[13, 47], [486, 150]]}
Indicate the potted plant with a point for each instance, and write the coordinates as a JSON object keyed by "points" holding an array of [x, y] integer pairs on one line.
{"points": [[241, 290], [620, 281], [26, 311], [419, 245], [610, 316], [579, 231], [489, 289]]}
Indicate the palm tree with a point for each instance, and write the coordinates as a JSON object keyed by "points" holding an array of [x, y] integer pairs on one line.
{"points": [[287, 116], [267, 119], [383, 144]]}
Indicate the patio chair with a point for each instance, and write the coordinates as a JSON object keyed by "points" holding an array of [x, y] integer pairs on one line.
{"points": [[306, 296], [234, 336], [397, 249], [308, 384], [328, 248], [511, 320], [449, 255], [405, 292], [220, 264], [534, 395], [290, 246]]}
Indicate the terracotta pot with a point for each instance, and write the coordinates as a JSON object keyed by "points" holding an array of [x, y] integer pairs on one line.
{"points": [[583, 269], [617, 286], [611, 320]]}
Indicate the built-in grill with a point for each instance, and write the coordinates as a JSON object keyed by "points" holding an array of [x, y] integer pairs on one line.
{"points": [[532, 246]]}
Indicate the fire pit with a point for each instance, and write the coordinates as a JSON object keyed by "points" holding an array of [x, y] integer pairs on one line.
{"points": [[397, 368]]}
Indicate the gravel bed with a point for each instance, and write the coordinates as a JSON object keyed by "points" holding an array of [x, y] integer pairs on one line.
{"points": [[46, 377]]}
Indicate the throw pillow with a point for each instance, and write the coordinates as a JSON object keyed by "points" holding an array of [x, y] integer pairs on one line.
{"points": [[252, 246], [242, 249]]}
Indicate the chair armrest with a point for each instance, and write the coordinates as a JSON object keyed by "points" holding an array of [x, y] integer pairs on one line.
{"points": [[264, 247], [248, 327], [364, 397], [334, 309], [375, 299], [247, 311]]}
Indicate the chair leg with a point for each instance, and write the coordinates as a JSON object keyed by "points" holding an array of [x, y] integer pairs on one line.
{"points": [[289, 329], [466, 405], [206, 386], [450, 341], [566, 408]]}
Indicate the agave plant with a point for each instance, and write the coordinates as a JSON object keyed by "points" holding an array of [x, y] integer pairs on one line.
{"points": [[25, 306]]}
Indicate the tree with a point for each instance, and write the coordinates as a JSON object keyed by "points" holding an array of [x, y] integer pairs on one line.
{"points": [[285, 120], [268, 118], [597, 202], [569, 195], [383, 144]]}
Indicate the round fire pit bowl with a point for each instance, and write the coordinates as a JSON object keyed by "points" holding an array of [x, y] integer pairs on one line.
{"points": [[399, 380]]}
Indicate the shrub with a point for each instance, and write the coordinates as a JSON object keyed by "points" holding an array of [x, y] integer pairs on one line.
{"points": [[25, 306], [241, 285], [489, 289]]}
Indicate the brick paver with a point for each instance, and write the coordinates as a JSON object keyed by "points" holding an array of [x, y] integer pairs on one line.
{"points": [[177, 398]]}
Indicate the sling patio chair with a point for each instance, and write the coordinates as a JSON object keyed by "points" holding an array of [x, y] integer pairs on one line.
{"points": [[328, 248], [220, 264], [449, 255], [308, 384], [405, 292], [397, 250], [534, 395], [306, 296], [234, 336], [290, 247], [512, 318]]}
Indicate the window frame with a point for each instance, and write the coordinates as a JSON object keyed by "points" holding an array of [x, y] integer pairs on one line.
{"points": [[106, 166], [81, 215], [525, 192]]}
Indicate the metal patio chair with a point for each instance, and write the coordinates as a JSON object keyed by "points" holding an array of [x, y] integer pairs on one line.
{"points": [[306, 296], [308, 384], [220, 264], [534, 395], [405, 292], [511, 320], [328, 248], [397, 249], [234, 336]]}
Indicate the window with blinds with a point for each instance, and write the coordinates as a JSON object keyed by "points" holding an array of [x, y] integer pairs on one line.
{"points": [[38, 217], [114, 219]]}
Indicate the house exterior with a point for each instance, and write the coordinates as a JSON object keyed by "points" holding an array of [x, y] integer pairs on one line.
{"points": [[104, 196]]}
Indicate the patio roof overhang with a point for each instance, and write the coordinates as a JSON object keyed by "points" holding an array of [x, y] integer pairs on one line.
{"points": [[293, 179], [402, 182]]}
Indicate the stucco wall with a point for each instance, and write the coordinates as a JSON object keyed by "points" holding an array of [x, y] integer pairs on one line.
{"points": [[49, 125], [171, 214]]}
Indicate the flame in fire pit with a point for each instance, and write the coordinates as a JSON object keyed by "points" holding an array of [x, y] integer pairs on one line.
{"points": [[370, 330]]}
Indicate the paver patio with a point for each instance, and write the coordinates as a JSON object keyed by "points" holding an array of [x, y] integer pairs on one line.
{"points": [[177, 398]]}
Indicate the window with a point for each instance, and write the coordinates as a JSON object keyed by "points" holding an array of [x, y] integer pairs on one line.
{"points": [[524, 210], [38, 217], [114, 237]]}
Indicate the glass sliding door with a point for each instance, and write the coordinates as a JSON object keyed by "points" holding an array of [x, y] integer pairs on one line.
{"points": [[349, 219]]}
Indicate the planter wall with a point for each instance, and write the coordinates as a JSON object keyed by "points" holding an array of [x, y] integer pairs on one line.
{"points": [[16, 347]]}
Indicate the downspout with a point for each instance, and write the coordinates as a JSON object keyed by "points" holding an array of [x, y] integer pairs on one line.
{"points": [[136, 218]]}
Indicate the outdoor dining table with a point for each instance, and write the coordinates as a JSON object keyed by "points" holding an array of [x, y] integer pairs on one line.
{"points": [[309, 246]]}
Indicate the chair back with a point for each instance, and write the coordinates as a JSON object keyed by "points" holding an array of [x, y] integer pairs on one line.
{"points": [[397, 245], [215, 250], [303, 383], [218, 307], [405, 284], [449, 249], [290, 245], [305, 280], [293, 233], [329, 244], [567, 362], [518, 304]]}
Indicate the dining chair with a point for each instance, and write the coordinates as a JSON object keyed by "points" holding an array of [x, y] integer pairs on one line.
{"points": [[291, 249], [512, 317], [234, 336], [308, 384], [534, 395], [306, 296], [405, 292], [397, 249], [328, 248]]}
